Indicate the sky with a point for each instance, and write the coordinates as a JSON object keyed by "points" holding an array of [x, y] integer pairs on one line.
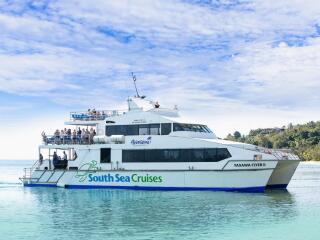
{"points": [[231, 64]]}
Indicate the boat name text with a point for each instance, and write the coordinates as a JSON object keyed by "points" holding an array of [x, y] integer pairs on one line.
{"points": [[249, 165], [124, 178]]}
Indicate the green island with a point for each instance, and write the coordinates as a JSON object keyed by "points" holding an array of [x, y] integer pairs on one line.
{"points": [[303, 139]]}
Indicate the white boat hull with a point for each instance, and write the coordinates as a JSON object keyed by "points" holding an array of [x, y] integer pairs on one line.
{"points": [[223, 180], [282, 174]]}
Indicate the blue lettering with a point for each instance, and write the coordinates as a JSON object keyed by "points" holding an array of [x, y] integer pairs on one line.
{"points": [[90, 177]]}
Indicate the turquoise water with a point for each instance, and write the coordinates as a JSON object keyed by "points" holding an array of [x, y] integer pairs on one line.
{"points": [[55, 213]]}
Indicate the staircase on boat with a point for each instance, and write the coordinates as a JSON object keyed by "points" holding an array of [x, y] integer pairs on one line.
{"points": [[42, 177]]}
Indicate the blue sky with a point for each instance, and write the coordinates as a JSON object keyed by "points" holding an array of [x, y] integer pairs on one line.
{"points": [[234, 65]]}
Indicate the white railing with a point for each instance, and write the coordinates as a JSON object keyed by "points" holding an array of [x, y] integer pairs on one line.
{"points": [[28, 171], [280, 154], [95, 115], [85, 139]]}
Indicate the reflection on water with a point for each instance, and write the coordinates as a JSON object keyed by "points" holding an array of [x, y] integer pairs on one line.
{"points": [[55, 213]]}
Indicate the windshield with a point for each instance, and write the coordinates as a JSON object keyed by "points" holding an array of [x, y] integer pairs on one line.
{"points": [[191, 127]]}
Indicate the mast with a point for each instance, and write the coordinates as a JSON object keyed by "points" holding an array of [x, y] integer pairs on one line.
{"points": [[134, 82]]}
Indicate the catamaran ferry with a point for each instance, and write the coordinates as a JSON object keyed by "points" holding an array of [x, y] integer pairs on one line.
{"points": [[151, 148]]}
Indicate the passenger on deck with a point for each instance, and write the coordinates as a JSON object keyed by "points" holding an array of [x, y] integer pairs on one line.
{"points": [[64, 157], [98, 115], [74, 136], [83, 136], [91, 135], [57, 136], [103, 115], [87, 136], [55, 159], [156, 105], [44, 137], [40, 159], [74, 155]]}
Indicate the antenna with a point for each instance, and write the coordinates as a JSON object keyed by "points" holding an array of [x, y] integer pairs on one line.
{"points": [[134, 82]]}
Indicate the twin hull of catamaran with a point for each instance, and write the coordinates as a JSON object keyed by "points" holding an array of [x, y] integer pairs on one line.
{"points": [[152, 148]]}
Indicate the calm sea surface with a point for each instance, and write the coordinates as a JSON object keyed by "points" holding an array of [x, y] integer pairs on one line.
{"points": [[56, 213]]}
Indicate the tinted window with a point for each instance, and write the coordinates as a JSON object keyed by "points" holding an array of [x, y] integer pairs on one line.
{"points": [[210, 155], [190, 127], [222, 153], [132, 130], [105, 155], [144, 129], [116, 130], [172, 155], [133, 156], [197, 155], [176, 155], [154, 155], [165, 128], [154, 129], [111, 130]]}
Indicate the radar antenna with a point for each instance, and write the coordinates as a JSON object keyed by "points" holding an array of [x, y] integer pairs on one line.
{"points": [[134, 82]]}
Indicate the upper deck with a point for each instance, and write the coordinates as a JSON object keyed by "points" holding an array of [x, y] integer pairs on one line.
{"points": [[95, 115]]}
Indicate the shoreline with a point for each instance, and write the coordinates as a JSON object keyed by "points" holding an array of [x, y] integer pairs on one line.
{"points": [[310, 162]]}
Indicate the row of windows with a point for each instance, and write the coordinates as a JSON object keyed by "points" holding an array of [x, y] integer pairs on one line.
{"points": [[154, 129], [176, 155], [141, 129]]}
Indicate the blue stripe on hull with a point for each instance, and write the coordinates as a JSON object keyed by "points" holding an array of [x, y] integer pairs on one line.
{"points": [[39, 185], [277, 186], [245, 189]]}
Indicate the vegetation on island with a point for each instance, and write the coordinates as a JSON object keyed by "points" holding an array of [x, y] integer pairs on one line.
{"points": [[302, 139]]}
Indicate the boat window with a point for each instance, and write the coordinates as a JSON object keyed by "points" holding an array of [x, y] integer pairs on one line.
{"points": [[115, 130], [222, 153], [197, 155], [105, 155], [210, 155], [144, 129], [131, 130], [191, 127], [154, 129], [165, 128], [172, 155], [176, 155], [133, 156]]}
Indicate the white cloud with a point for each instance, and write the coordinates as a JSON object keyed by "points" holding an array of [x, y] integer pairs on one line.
{"points": [[238, 65]]}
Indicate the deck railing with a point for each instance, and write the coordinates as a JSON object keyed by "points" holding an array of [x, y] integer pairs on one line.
{"points": [[67, 139], [95, 115], [280, 154]]}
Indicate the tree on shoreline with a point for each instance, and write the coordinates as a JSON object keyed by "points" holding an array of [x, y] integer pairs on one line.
{"points": [[303, 139]]}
